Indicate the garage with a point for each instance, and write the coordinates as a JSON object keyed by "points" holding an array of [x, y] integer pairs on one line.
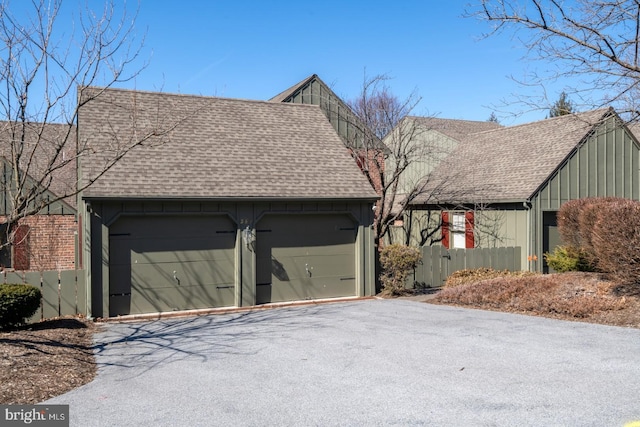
{"points": [[171, 262], [243, 203], [301, 257]]}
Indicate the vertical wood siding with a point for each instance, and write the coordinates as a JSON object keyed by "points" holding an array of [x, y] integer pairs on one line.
{"points": [[606, 164]]}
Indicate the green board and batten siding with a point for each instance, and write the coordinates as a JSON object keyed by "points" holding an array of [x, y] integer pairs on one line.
{"points": [[315, 91], [166, 256], [606, 164]]}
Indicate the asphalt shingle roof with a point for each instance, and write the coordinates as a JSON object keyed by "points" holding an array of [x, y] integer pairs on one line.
{"points": [[510, 163], [42, 142], [454, 128], [221, 149]]}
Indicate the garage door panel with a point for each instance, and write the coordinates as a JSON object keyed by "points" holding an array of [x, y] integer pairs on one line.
{"points": [[146, 251], [305, 256], [195, 226], [283, 237], [150, 300], [327, 287], [284, 291], [212, 256], [186, 274], [309, 266]]}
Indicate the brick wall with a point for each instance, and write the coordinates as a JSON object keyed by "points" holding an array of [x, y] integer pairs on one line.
{"points": [[50, 242]]}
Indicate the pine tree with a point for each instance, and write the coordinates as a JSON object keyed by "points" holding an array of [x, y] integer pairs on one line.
{"points": [[562, 106]]}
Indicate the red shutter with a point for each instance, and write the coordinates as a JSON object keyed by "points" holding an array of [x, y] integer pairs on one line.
{"points": [[21, 248], [469, 241], [444, 229]]}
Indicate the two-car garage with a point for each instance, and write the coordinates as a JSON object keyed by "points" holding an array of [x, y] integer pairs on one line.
{"points": [[160, 263], [229, 203]]}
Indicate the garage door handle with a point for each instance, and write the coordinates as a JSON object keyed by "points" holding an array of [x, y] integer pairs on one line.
{"points": [[306, 267], [175, 277]]}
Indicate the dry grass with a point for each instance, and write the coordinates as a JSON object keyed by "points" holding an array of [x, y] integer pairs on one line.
{"points": [[572, 296], [45, 360]]}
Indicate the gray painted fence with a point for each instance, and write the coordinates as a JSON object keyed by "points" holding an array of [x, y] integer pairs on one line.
{"points": [[438, 262], [63, 292]]}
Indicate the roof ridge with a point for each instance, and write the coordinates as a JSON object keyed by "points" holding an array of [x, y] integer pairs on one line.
{"points": [[447, 119], [604, 110], [206, 97]]}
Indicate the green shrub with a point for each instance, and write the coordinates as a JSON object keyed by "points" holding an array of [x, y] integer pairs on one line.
{"points": [[17, 303], [568, 258], [474, 275], [397, 262]]}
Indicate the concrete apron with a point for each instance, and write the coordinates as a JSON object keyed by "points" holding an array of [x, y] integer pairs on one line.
{"points": [[226, 310]]}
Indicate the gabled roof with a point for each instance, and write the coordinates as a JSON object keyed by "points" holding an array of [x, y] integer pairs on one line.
{"points": [[511, 163], [220, 149], [453, 128], [287, 93], [312, 90]]}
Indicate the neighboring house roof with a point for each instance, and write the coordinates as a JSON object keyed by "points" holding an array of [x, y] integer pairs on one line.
{"points": [[312, 90], [634, 128], [42, 141], [286, 94], [454, 128], [220, 149], [511, 163]]}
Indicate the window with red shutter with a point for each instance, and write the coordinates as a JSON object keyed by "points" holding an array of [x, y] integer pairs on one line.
{"points": [[462, 230]]}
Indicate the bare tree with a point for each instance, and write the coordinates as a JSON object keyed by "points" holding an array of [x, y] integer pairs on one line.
{"points": [[379, 114], [46, 76], [397, 154], [593, 42]]}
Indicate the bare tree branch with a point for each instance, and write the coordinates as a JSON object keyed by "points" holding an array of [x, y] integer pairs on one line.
{"points": [[595, 42], [47, 77]]}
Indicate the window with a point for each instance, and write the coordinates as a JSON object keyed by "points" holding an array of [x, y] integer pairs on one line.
{"points": [[458, 230]]}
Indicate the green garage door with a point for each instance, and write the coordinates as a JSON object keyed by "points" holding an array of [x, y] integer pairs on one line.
{"points": [[166, 263], [305, 257]]}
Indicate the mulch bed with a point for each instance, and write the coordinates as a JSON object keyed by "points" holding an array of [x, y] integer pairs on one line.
{"points": [[46, 359]]}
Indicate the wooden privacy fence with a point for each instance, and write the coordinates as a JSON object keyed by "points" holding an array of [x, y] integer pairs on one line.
{"points": [[439, 262], [63, 292]]}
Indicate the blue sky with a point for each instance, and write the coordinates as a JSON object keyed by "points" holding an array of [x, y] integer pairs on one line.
{"points": [[256, 49]]}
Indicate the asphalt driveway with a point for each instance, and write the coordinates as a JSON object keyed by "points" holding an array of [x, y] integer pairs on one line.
{"points": [[361, 363]]}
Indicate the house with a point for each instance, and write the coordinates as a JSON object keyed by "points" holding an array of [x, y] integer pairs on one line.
{"points": [[312, 90], [47, 240], [362, 143], [238, 203], [425, 142], [505, 186], [417, 145]]}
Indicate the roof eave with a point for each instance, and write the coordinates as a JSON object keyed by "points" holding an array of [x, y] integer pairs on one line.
{"points": [[228, 199]]}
